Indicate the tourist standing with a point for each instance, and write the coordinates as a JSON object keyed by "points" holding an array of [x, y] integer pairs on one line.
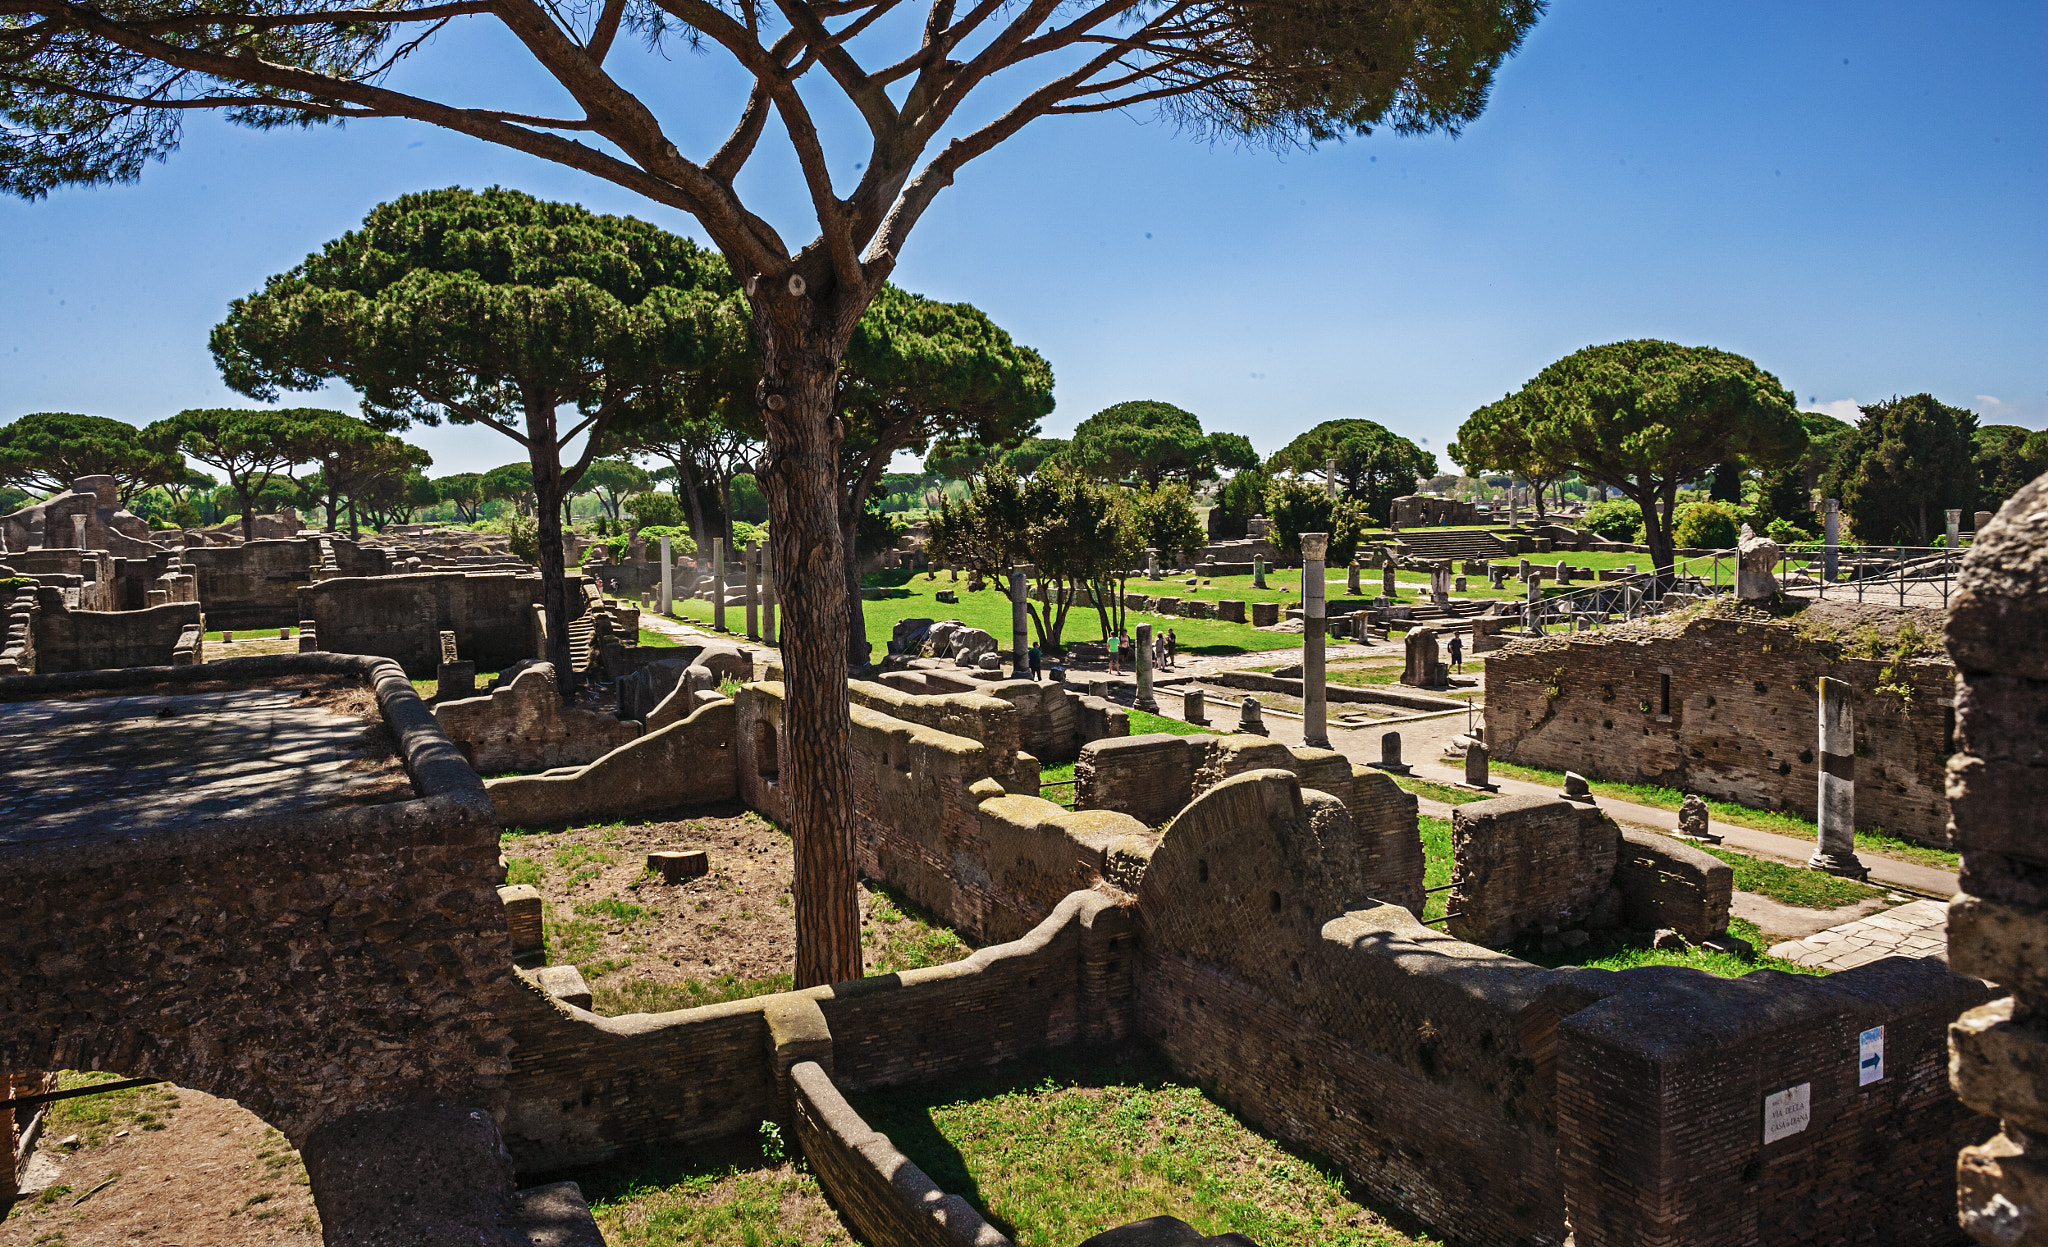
{"points": [[1116, 662], [1172, 644], [1034, 656], [1457, 652]]}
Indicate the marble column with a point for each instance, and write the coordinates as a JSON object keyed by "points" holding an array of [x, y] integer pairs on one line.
{"points": [[751, 561], [1831, 558], [1315, 709], [769, 598], [668, 578], [718, 584], [1141, 646], [1020, 623], [1837, 854]]}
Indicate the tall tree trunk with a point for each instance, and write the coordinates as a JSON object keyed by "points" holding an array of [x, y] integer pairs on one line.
{"points": [[688, 482], [247, 497], [543, 454], [800, 476], [354, 533]]}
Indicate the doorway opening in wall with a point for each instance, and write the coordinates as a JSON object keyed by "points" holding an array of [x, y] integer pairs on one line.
{"points": [[1664, 695]]}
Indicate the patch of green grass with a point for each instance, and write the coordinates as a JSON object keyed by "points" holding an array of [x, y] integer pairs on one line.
{"points": [[1053, 1154], [1143, 722], [569, 940], [1627, 951], [902, 937], [614, 908], [1440, 792], [1775, 821], [1436, 864], [1792, 885], [659, 639], [568, 857], [649, 996], [527, 870], [724, 1195], [95, 1118]]}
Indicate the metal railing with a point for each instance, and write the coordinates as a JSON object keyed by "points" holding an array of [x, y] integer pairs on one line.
{"points": [[1891, 575]]}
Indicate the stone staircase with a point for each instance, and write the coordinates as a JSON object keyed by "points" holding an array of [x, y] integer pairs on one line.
{"points": [[1452, 543]]}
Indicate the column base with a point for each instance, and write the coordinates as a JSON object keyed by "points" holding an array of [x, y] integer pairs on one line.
{"points": [[1150, 705], [1846, 865], [1315, 742]]}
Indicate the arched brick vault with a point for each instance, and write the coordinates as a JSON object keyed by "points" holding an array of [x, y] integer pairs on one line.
{"points": [[310, 967]]}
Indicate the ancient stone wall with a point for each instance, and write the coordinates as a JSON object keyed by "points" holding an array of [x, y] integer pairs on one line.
{"points": [[690, 761], [1998, 928], [402, 617], [523, 726], [1421, 1064], [86, 640], [1861, 1148], [1153, 777], [1521, 864], [255, 585], [583, 1087], [1725, 706], [1666, 883]]}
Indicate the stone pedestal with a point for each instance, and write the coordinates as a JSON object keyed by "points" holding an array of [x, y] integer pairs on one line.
{"points": [[1390, 754], [668, 579], [1020, 621], [1351, 580], [1387, 587], [1194, 708], [1476, 763], [1315, 710], [1251, 717]]}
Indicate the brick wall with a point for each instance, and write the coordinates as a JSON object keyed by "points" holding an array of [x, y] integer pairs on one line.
{"points": [[691, 761], [1687, 1059], [89, 640], [1419, 1063], [1522, 864], [254, 585], [402, 617], [1725, 706], [1666, 883]]}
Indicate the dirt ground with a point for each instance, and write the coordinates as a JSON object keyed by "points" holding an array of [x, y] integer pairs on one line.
{"points": [[212, 1175], [645, 946]]}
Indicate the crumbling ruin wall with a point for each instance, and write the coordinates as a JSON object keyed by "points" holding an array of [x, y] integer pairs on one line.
{"points": [[583, 1088], [403, 617], [691, 761], [1691, 1062], [1723, 705], [87, 640], [1521, 863], [523, 726], [1421, 1064], [1998, 927], [255, 585], [932, 813], [338, 973], [1154, 776]]}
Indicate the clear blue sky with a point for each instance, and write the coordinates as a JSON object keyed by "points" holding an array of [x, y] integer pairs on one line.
{"points": [[1850, 194]]}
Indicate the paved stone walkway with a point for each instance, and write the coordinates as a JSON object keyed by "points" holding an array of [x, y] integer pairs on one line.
{"points": [[1919, 929]]}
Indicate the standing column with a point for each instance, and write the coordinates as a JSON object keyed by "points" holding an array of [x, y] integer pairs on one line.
{"points": [[768, 595], [1143, 649], [1837, 819], [668, 578], [1020, 623], [718, 584], [1330, 475], [748, 560], [1258, 571], [1315, 709], [1535, 607], [1831, 559], [1955, 530]]}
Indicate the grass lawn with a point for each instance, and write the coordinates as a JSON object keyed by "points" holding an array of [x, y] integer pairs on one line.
{"points": [[1742, 816], [1053, 1153], [1792, 885], [1440, 792], [1436, 864], [1726, 965], [911, 596], [731, 1194]]}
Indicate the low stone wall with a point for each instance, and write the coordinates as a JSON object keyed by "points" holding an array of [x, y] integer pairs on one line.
{"points": [[84, 640], [689, 762], [523, 726], [584, 1087], [889, 1201], [403, 617], [1693, 1062], [1522, 864], [254, 585], [1261, 682], [1668, 883]]}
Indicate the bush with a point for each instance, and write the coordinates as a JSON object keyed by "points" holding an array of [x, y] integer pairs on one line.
{"points": [[1297, 506], [1707, 526], [1786, 533], [680, 543], [656, 510], [744, 534], [1617, 520], [525, 532]]}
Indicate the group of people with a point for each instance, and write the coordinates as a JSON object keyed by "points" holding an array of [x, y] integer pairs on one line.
{"points": [[1164, 646]]}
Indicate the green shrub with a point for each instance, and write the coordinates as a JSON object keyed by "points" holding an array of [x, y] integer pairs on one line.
{"points": [[525, 532], [1786, 533], [1298, 506], [656, 510], [1708, 526], [1616, 520]]}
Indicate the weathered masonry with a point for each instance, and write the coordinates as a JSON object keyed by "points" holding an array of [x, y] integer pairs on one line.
{"points": [[1721, 702]]}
